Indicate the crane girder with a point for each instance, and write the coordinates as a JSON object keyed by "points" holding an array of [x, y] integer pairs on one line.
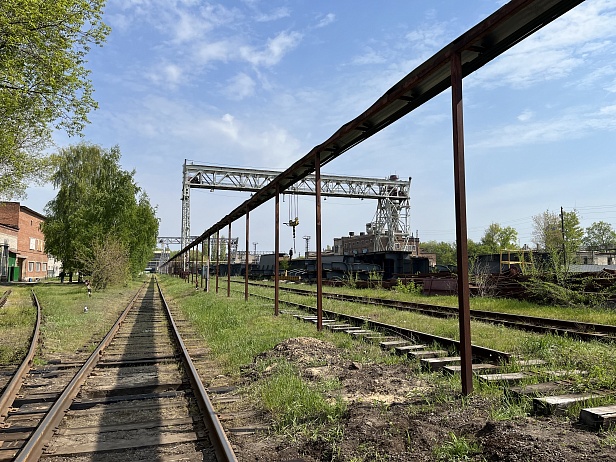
{"points": [[252, 180]]}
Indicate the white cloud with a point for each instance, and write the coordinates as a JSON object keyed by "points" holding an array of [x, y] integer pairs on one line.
{"points": [[166, 74], [274, 15], [525, 116], [370, 56], [326, 20], [556, 51], [577, 123], [274, 51], [428, 38], [240, 87], [214, 51]]}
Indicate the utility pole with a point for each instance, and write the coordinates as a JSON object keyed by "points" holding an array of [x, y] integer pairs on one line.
{"points": [[307, 239], [255, 246], [562, 229]]}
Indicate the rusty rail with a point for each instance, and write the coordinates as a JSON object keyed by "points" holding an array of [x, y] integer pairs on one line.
{"points": [[33, 449], [10, 392], [218, 438], [4, 297], [579, 329], [477, 350]]}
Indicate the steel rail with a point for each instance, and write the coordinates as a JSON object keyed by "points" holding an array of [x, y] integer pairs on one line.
{"points": [[579, 329], [4, 297], [218, 438], [586, 330], [10, 392], [33, 449], [477, 350]]}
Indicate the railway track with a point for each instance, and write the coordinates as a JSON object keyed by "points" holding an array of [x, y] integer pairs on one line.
{"points": [[580, 330], [551, 391], [413, 336], [138, 397]]}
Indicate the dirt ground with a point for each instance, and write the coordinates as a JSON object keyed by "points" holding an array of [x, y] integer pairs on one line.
{"points": [[392, 415]]}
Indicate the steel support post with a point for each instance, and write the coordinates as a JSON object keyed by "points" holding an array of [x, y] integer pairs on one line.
{"points": [[229, 263], [217, 258], [207, 272], [277, 251], [317, 184], [247, 263], [464, 314], [202, 255]]}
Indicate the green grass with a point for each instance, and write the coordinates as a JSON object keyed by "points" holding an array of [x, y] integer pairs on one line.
{"points": [[66, 327], [456, 449], [293, 402], [597, 359], [236, 331], [600, 315], [17, 319]]}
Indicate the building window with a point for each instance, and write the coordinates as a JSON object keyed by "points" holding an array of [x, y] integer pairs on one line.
{"points": [[44, 266], [32, 243], [38, 266], [31, 266]]}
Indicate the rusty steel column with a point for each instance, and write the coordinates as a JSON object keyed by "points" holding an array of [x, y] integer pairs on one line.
{"points": [[247, 264], [229, 263], [207, 269], [202, 255], [464, 313], [317, 187], [191, 257], [217, 258], [277, 251]]}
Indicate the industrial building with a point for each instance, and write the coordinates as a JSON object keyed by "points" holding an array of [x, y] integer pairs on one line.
{"points": [[22, 244]]}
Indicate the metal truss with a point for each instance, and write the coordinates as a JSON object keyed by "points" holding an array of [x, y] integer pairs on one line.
{"points": [[252, 180], [391, 218], [165, 242]]}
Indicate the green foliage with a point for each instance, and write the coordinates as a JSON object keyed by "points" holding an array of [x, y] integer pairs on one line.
{"points": [[555, 294], [409, 288], [97, 202], [107, 264], [600, 236], [43, 46], [445, 251], [456, 449], [560, 235], [497, 238]]}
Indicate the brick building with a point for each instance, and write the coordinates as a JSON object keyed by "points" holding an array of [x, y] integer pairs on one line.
{"points": [[22, 244]]}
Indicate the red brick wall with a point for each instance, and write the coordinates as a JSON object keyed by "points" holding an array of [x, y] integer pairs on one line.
{"points": [[9, 213], [31, 245]]}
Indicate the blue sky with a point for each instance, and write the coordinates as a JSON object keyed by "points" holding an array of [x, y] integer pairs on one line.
{"points": [[258, 83]]}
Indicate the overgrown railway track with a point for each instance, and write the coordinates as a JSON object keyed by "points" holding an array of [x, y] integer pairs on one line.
{"points": [[478, 352], [580, 330], [137, 397]]}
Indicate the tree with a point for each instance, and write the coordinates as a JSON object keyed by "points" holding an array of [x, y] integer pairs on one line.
{"points": [[547, 234], [107, 264], [97, 204], [497, 238], [600, 236], [560, 235], [445, 252], [43, 81]]}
